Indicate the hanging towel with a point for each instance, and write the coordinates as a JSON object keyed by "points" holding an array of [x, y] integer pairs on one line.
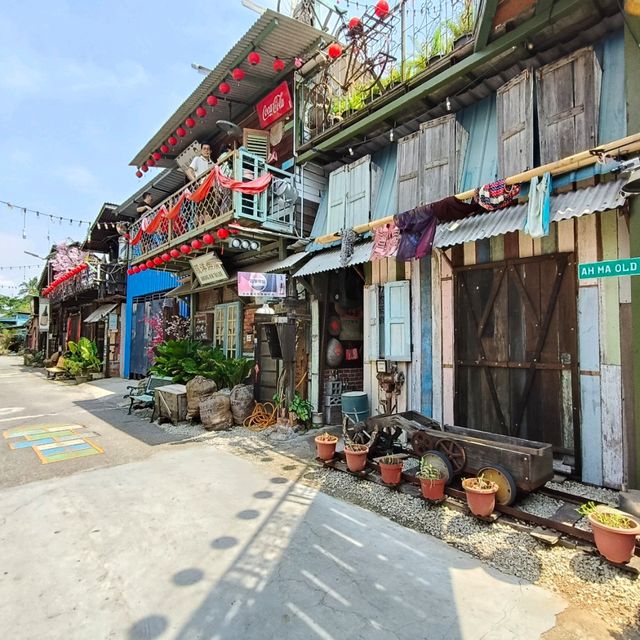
{"points": [[449, 209], [349, 237], [536, 223], [385, 241], [417, 230], [496, 195]]}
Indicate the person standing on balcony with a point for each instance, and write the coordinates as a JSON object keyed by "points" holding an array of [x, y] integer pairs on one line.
{"points": [[146, 205], [200, 164]]}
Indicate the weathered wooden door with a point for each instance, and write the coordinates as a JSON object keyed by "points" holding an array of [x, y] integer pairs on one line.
{"points": [[516, 349]]}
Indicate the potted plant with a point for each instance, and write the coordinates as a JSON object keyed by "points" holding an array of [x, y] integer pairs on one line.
{"points": [[614, 531], [326, 445], [391, 469], [481, 495], [77, 369], [431, 481], [461, 28], [302, 409], [356, 456]]}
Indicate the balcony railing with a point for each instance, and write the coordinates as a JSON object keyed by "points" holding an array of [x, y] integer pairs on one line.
{"points": [[273, 209], [380, 54], [103, 280]]}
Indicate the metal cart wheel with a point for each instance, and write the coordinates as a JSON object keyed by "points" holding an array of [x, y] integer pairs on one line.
{"points": [[421, 442], [454, 452], [440, 461], [358, 432], [507, 490]]}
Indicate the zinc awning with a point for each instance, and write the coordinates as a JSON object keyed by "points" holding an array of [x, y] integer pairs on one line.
{"points": [[276, 265], [330, 260], [100, 313], [601, 197]]}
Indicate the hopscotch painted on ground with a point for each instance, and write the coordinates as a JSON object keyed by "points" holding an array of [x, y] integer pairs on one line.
{"points": [[54, 443]]}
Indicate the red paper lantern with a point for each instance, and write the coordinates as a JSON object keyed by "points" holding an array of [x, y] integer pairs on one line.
{"points": [[174, 253], [196, 244], [190, 122], [237, 74], [164, 148], [201, 112], [234, 232], [157, 261], [278, 65], [382, 8], [166, 257], [129, 271], [224, 87], [186, 249], [173, 141], [212, 101], [335, 50], [181, 131], [138, 174], [157, 155], [151, 162], [354, 23], [207, 238], [253, 58], [222, 234], [144, 167], [149, 264], [135, 269], [143, 267]]}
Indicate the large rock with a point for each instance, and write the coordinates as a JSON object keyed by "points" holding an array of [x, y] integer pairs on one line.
{"points": [[198, 389], [215, 412], [242, 402]]}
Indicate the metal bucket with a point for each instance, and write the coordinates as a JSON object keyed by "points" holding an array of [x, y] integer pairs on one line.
{"points": [[355, 405]]}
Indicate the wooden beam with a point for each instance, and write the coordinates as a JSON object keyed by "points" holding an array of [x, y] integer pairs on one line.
{"points": [[544, 7], [484, 23], [442, 80]]}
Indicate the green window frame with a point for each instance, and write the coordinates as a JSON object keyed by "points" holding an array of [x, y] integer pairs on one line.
{"points": [[227, 328]]}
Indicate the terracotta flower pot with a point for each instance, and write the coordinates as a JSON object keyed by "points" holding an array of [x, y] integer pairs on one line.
{"points": [[432, 489], [391, 473], [616, 545], [326, 449], [356, 460], [480, 501]]}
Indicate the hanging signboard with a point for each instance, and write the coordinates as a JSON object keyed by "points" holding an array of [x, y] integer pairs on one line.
{"points": [[609, 269], [267, 285], [208, 269], [43, 315], [275, 105]]}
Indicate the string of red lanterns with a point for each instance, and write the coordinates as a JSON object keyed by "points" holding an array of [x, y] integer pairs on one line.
{"points": [[63, 278]]}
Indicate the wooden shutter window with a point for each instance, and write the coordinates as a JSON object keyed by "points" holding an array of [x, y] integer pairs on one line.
{"points": [[256, 142], [358, 197], [397, 321], [372, 326], [336, 206], [409, 164]]}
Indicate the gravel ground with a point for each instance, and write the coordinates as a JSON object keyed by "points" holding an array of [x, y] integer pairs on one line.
{"points": [[583, 579]]}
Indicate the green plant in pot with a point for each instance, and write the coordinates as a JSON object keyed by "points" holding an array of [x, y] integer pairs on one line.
{"points": [[481, 495], [614, 531], [326, 445], [77, 369], [356, 455], [391, 469], [302, 409], [432, 481], [85, 352]]}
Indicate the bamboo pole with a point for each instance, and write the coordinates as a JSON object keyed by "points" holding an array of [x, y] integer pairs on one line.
{"points": [[630, 144]]}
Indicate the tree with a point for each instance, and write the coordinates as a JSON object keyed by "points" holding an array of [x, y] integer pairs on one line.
{"points": [[28, 288], [14, 304]]}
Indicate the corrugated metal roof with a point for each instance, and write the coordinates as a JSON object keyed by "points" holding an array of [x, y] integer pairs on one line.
{"points": [[329, 260], [100, 313], [574, 204], [272, 32], [272, 266], [162, 186]]}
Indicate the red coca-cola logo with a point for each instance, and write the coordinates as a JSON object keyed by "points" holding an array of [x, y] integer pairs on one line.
{"points": [[277, 104]]}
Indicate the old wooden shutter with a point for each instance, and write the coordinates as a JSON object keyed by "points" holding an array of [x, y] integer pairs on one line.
{"points": [[256, 142], [515, 125], [409, 172], [358, 202], [397, 321], [439, 153], [372, 325], [338, 182], [568, 105]]}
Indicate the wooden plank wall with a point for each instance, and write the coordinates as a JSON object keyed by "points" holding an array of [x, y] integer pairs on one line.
{"points": [[604, 335]]}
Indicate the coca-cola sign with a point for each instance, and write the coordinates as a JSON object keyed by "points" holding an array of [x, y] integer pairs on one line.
{"points": [[277, 104]]}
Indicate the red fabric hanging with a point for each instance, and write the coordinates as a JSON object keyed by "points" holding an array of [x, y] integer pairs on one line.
{"points": [[203, 190], [152, 227], [136, 238], [175, 210], [251, 187]]}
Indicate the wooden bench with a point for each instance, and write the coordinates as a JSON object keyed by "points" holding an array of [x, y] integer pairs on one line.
{"points": [[54, 372], [143, 393]]}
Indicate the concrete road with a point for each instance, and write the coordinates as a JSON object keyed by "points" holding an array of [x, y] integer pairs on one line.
{"points": [[188, 542]]}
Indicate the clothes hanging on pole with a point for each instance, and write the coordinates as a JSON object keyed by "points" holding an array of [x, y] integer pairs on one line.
{"points": [[536, 223], [450, 209], [349, 237], [385, 241], [496, 195], [417, 230]]}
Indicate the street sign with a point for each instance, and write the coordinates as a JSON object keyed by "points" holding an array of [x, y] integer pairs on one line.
{"points": [[609, 269]]}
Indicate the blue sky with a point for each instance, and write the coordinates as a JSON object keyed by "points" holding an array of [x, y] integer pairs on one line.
{"points": [[83, 86]]}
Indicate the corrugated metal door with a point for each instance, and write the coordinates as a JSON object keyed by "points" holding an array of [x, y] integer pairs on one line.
{"points": [[515, 124], [409, 163], [358, 202]]}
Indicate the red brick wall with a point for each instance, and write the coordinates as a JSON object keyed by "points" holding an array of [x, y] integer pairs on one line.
{"points": [[354, 376], [247, 328]]}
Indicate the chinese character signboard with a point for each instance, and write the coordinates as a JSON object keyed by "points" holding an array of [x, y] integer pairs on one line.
{"points": [[609, 269], [277, 104], [208, 269], [43, 315], [267, 285]]}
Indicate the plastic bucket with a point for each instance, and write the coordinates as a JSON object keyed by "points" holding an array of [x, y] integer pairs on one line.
{"points": [[355, 405]]}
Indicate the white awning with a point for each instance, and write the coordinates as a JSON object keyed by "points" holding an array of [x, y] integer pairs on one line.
{"points": [[330, 260], [101, 312]]}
